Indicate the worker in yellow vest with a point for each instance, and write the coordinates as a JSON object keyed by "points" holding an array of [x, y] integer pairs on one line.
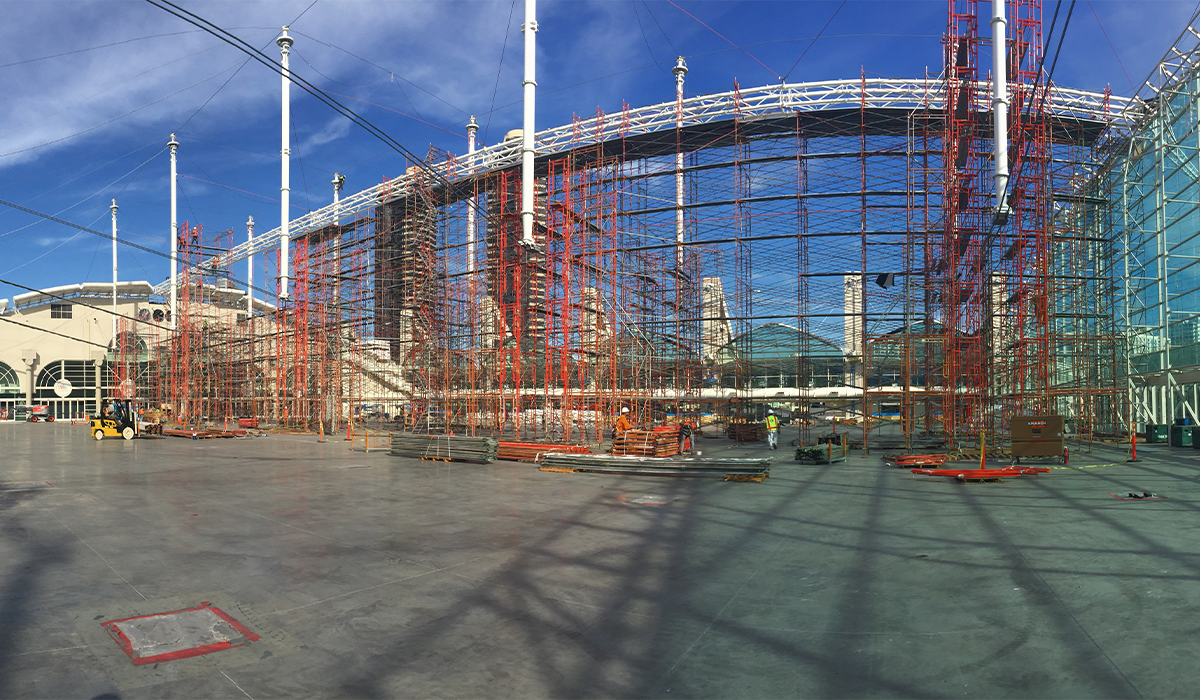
{"points": [[772, 430]]}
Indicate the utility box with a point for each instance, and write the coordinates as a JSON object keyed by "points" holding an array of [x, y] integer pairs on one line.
{"points": [[1156, 432], [1036, 436], [1181, 436]]}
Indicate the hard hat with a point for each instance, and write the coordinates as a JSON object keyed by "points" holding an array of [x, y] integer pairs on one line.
{"points": [[624, 409], [770, 412]]}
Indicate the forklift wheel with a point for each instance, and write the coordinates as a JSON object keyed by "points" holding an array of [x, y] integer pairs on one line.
{"points": [[49, 419], [33, 419], [127, 433], [99, 434]]}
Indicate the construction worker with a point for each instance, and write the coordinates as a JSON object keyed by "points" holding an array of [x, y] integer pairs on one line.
{"points": [[623, 422], [685, 436], [772, 430]]}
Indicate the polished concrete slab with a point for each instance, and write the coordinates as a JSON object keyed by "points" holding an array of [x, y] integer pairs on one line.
{"points": [[367, 575]]}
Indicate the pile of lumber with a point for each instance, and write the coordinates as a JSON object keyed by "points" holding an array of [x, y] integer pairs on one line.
{"points": [[721, 468], [533, 451], [747, 432], [444, 448], [658, 442]]}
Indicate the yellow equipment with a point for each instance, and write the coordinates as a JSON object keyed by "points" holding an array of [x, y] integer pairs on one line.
{"points": [[119, 422]]}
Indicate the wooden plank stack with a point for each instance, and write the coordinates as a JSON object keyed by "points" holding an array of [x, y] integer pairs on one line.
{"points": [[533, 451], [446, 448], [658, 442]]}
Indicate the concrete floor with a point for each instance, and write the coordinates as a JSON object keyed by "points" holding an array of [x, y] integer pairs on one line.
{"points": [[375, 576]]}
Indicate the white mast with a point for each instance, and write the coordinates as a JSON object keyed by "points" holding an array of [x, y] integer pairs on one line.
{"points": [[113, 209], [250, 271], [174, 145], [680, 70], [285, 43], [472, 127], [1000, 106], [339, 181], [529, 29]]}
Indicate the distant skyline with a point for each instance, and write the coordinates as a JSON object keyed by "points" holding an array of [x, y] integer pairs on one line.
{"points": [[93, 91]]}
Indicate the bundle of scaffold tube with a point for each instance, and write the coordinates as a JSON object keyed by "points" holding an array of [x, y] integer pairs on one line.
{"points": [[752, 469], [444, 448]]}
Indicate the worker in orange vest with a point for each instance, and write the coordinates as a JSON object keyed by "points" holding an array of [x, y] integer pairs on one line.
{"points": [[623, 422]]}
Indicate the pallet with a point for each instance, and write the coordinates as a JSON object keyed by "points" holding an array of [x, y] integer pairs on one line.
{"points": [[757, 478]]}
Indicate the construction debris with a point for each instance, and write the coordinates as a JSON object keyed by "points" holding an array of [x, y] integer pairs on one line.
{"points": [[821, 454], [445, 448], [754, 469], [1136, 496]]}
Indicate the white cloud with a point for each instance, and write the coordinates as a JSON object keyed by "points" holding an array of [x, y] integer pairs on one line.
{"points": [[48, 102], [333, 130]]}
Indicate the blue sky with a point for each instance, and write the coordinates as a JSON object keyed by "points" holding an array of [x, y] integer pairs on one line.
{"points": [[93, 91]]}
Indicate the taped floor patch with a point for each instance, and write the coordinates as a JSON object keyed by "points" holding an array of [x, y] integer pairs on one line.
{"points": [[144, 643], [179, 634]]}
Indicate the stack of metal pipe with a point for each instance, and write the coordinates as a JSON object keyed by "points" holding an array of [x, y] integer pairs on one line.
{"points": [[728, 468], [457, 448]]}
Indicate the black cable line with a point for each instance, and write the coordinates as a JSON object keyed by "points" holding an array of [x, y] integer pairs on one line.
{"points": [[179, 129], [499, 70], [300, 160], [1058, 50], [308, 63], [95, 48], [77, 301], [61, 335], [645, 38], [385, 70], [63, 184], [310, 6], [818, 36], [660, 28], [167, 256], [316, 92], [112, 119], [82, 303]]}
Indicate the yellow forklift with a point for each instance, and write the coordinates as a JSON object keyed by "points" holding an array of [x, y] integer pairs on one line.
{"points": [[116, 419]]}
